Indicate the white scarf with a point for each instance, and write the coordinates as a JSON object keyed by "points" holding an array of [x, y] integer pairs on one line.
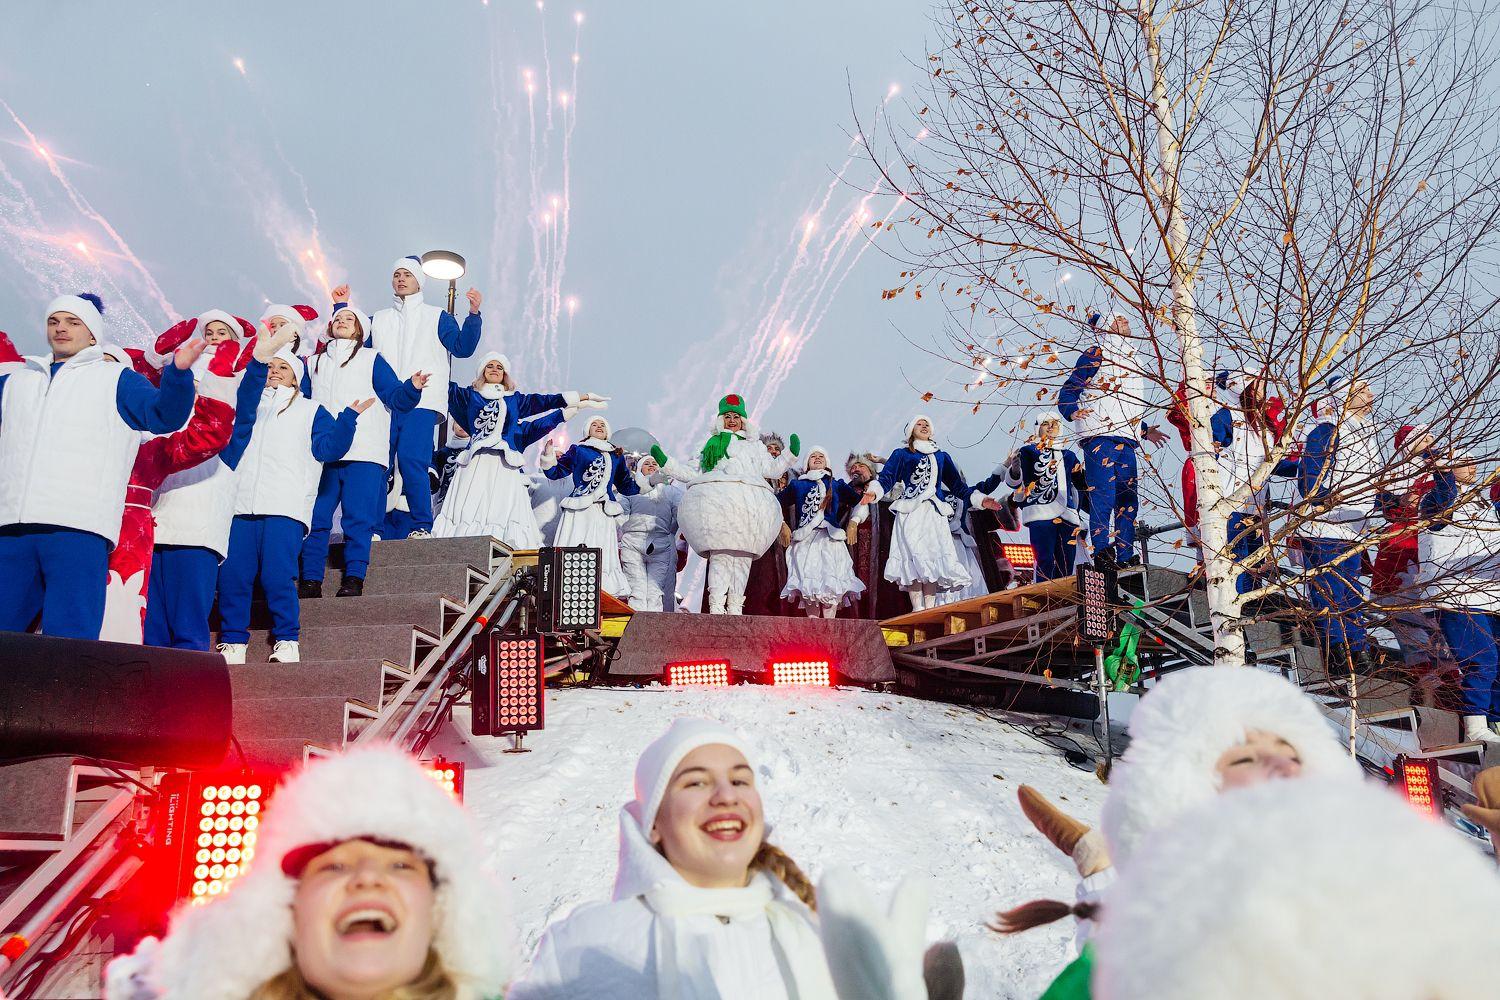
{"points": [[598, 444], [813, 474], [683, 967], [924, 447]]}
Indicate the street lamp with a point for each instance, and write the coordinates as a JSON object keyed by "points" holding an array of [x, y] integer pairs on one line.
{"points": [[445, 265]]}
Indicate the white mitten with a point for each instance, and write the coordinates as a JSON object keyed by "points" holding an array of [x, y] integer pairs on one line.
{"points": [[873, 952], [594, 403]]}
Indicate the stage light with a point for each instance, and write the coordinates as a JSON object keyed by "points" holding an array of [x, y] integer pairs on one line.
{"points": [[447, 773], [1419, 783], [509, 685], [205, 828], [801, 673], [1095, 612], [699, 673], [1019, 556], [568, 591]]}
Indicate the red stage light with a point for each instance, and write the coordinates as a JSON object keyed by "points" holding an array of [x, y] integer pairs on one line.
{"points": [[1019, 556], [510, 685], [705, 673], [801, 673], [206, 827], [448, 773], [1419, 782]]}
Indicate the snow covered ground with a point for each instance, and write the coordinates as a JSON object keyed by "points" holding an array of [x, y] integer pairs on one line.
{"points": [[885, 784]]}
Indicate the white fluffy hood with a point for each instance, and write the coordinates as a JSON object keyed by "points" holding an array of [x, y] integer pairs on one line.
{"points": [[1182, 726], [225, 949], [1302, 890]]}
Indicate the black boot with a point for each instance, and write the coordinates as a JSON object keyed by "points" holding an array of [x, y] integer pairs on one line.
{"points": [[309, 588], [353, 586], [1336, 661]]}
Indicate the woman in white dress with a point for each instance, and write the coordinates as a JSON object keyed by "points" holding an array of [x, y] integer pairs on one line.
{"points": [[591, 512], [923, 560], [819, 570], [489, 494]]}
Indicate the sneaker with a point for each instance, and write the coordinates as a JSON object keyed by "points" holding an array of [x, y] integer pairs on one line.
{"points": [[419, 533], [309, 588], [233, 652], [353, 586], [286, 651]]}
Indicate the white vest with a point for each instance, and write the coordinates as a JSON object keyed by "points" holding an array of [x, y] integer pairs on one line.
{"points": [[336, 386], [408, 338], [278, 475], [65, 451], [1115, 396], [196, 506], [1459, 564]]}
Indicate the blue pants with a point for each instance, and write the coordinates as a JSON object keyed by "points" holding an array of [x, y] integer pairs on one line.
{"points": [[1243, 524], [1054, 547], [263, 547], [1338, 594], [180, 596], [1471, 639], [360, 488], [412, 443], [60, 572], [1109, 467]]}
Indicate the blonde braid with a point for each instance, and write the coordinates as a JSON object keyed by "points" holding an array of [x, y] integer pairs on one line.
{"points": [[777, 863]]}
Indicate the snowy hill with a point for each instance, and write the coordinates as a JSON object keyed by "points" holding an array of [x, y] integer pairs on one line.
{"points": [[879, 782]]}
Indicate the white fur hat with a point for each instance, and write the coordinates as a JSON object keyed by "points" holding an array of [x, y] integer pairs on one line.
{"points": [[225, 949], [86, 307], [299, 367], [1302, 890], [911, 425], [412, 264], [818, 449], [1180, 729], [608, 430]]}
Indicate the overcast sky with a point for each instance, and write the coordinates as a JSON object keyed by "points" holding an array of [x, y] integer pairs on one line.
{"points": [[197, 152]]}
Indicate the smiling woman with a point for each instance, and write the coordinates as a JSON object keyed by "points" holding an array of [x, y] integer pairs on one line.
{"points": [[703, 906], [367, 884]]}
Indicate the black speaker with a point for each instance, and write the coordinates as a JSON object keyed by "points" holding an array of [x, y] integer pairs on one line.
{"points": [[112, 700]]}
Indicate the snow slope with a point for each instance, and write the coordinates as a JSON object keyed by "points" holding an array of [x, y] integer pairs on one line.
{"points": [[885, 784]]}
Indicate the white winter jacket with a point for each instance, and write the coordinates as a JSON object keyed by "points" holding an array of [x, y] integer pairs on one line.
{"points": [[65, 451], [407, 334], [632, 948], [336, 385], [1113, 404], [1460, 564], [651, 517]]}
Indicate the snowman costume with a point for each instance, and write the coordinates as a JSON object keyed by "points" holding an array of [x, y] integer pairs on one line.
{"points": [[228, 948], [490, 494], [819, 570], [590, 513], [658, 936], [729, 514], [648, 539], [1267, 893], [923, 559]]}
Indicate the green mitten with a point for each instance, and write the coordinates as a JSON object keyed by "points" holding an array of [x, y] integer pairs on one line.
{"points": [[659, 455], [795, 444]]}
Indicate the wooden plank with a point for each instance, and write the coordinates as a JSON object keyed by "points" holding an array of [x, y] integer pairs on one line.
{"points": [[1045, 590]]}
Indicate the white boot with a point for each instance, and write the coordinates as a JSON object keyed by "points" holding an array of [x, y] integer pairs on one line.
{"points": [[715, 603], [286, 651], [1477, 727], [916, 598], [737, 605], [233, 652]]}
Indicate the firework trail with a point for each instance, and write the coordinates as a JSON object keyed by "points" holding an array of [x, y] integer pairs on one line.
{"points": [[82, 205], [508, 217]]}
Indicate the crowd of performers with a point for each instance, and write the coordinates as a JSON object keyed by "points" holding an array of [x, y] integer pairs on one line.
{"points": [[1241, 855], [139, 489]]}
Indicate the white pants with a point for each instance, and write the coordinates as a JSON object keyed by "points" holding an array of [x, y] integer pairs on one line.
{"points": [[728, 573], [652, 575]]}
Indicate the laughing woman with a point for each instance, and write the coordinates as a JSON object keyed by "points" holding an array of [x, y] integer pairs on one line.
{"points": [[703, 907], [367, 882]]}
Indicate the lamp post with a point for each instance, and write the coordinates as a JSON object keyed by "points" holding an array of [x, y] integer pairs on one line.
{"points": [[445, 265]]}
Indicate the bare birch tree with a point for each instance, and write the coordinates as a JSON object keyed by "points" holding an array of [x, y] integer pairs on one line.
{"points": [[1290, 190]]}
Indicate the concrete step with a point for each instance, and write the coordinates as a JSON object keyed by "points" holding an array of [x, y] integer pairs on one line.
{"points": [[345, 642], [355, 680], [316, 719], [476, 551], [276, 752], [424, 609], [34, 799], [453, 579]]}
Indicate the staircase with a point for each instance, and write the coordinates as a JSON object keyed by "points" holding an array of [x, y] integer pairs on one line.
{"points": [[387, 666]]}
